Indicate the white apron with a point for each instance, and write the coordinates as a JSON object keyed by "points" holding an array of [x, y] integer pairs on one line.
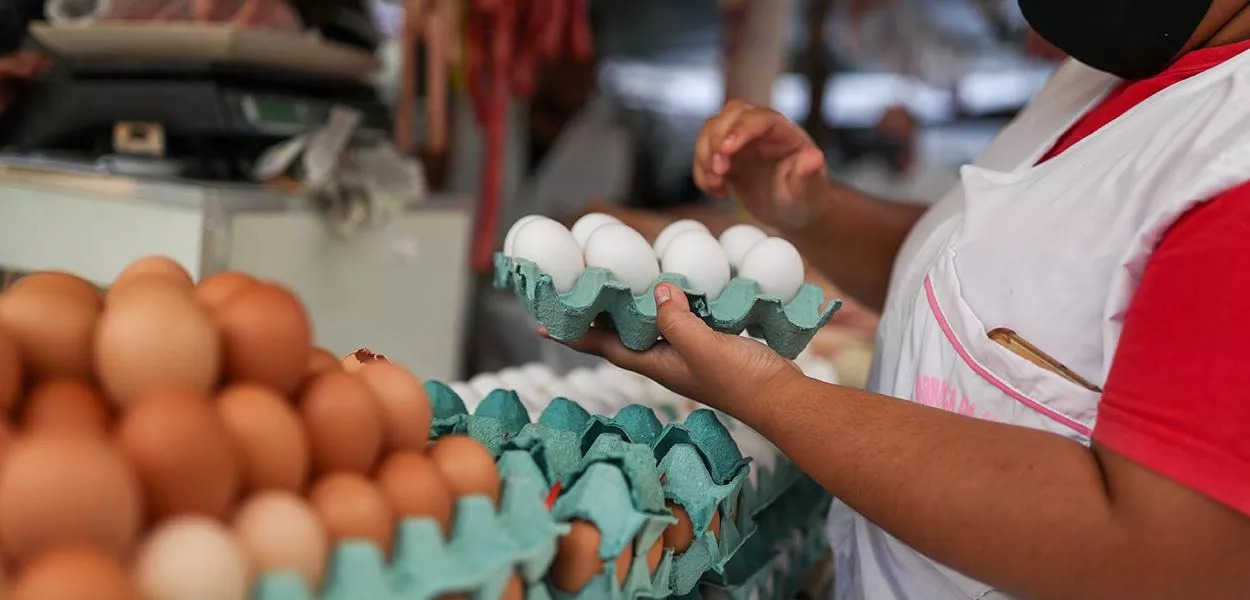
{"points": [[1051, 251]]}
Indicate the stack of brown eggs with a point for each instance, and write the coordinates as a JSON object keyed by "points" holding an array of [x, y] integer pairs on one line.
{"points": [[168, 440]]}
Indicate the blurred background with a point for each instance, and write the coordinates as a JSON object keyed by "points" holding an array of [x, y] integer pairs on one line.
{"points": [[371, 154]]}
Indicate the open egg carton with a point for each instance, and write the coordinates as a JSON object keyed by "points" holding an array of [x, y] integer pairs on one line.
{"points": [[619, 473], [742, 306], [485, 548]]}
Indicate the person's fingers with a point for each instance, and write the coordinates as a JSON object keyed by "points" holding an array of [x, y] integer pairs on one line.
{"points": [[749, 128], [808, 162], [684, 331], [724, 125], [712, 131]]}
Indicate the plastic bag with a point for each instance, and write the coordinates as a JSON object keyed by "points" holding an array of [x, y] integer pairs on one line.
{"points": [[258, 14]]}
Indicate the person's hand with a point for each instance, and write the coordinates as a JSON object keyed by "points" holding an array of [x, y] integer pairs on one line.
{"points": [[764, 160], [720, 370]]}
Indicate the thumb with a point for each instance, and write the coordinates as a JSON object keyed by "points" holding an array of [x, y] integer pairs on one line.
{"points": [[685, 332]]}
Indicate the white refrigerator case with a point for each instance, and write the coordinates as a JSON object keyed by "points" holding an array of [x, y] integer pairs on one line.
{"points": [[401, 288]]}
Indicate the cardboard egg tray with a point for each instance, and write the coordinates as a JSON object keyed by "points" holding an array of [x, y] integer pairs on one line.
{"points": [[617, 472], [777, 561], [483, 550], [787, 328]]}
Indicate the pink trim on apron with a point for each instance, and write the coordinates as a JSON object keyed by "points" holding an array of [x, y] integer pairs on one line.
{"points": [[986, 375]]}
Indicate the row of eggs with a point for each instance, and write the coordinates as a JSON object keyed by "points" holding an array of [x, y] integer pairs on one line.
{"points": [[685, 247], [604, 389]]}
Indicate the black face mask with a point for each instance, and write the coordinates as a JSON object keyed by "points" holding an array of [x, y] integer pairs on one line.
{"points": [[1132, 39]]}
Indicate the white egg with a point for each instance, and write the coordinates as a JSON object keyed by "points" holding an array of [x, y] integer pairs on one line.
{"points": [[590, 391], [698, 256], [630, 385], [738, 240], [539, 374], [532, 400], [776, 265], [561, 389], [510, 239], [514, 379], [673, 230], [468, 395], [626, 254], [192, 557], [589, 223], [486, 383], [549, 245]]}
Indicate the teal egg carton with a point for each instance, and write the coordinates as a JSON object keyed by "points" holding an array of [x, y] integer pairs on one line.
{"points": [[618, 472], [792, 561], [742, 306], [484, 549], [780, 529]]}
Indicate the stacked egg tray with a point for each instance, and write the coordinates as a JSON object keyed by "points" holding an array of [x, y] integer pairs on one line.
{"points": [[742, 306], [484, 549], [617, 473], [775, 563]]}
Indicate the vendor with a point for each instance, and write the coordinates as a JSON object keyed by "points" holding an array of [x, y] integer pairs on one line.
{"points": [[1060, 403]]}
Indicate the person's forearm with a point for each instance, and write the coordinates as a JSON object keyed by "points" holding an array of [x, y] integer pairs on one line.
{"points": [[1024, 510], [854, 239]]}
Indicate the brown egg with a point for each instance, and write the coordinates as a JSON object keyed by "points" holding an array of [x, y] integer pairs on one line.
{"points": [[405, 405], [59, 488], [11, 376], [577, 557], [213, 291], [268, 437], [515, 590], [344, 423], [68, 404], [267, 337], [156, 337], [279, 531], [159, 266], [67, 282], [655, 555], [52, 318], [321, 360], [192, 558], [182, 454], [72, 572], [362, 356], [467, 466], [416, 488], [623, 562], [353, 508], [680, 535]]}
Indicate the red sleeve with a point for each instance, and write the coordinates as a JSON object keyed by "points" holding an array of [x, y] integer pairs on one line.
{"points": [[1177, 399]]}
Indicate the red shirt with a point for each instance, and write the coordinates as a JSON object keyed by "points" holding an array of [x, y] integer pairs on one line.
{"points": [[1177, 399]]}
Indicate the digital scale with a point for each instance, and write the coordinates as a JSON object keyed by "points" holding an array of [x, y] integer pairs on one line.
{"points": [[214, 118]]}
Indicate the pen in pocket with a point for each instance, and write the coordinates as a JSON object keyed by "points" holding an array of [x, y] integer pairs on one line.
{"points": [[1022, 348]]}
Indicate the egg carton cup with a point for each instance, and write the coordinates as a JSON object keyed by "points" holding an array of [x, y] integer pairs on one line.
{"points": [[601, 495], [693, 486], [742, 306], [484, 549]]}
